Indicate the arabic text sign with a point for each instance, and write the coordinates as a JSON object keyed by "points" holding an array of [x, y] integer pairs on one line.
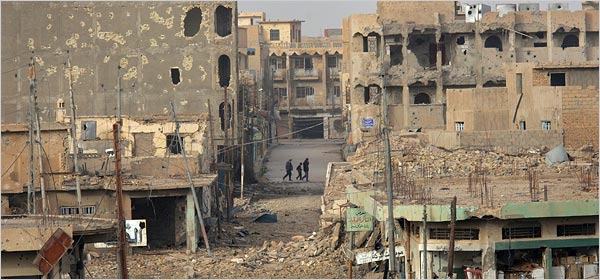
{"points": [[366, 123], [357, 219], [373, 256]]}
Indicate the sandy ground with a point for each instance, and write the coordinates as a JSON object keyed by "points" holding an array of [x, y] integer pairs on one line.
{"points": [[246, 249]]}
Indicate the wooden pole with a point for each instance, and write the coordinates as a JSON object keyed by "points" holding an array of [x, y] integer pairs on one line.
{"points": [[122, 240], [424, 257], [452, 234], [192, 188], [388, 183]]}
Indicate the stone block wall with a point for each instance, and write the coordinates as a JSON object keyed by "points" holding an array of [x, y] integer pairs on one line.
{"points": [[504, 141], [580, 117]]}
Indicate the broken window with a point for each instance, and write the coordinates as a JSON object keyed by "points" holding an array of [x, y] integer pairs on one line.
{"points": [[557, 79], [459, 233], [422, 98], [303, 92], [522, 125], [302, 62], [223, 21], [251, 51], [522, 231], [500, 83], [460, 40], [281, 92], [222, 115], [175, 75], [396, 57], [191, 22], [546, 125], [577, 229], [174, 144], [332, 61], [540, 45], [424, 47], [88, 130], [278, 62], [274, 35], [367, 96], [493, 42], [570, 41], [459, 126], [371, 43], [224, 71]]}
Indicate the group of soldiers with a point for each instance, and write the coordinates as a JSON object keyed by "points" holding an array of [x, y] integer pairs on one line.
{"points": [[302, 166]]}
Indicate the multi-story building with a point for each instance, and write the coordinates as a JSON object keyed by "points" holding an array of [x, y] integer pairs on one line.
{"points": [[463, 68], [167, 69]]}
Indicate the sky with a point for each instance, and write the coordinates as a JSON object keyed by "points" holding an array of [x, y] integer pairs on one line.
{"points": [[319, 15]]}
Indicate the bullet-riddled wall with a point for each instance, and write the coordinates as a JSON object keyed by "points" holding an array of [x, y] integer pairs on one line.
{"points": [[184, 52]]}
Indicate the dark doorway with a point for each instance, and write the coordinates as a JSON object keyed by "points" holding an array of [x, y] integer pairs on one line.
{"points": [[163, 219], [308, 128], [422, 98], [493, 42]]}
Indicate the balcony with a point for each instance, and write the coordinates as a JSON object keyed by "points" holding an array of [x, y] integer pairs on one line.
{"points": [[279, 75], [334, 73], [306, 74]]}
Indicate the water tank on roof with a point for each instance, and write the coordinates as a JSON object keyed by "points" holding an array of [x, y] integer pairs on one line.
{"points": [[529, 7], [558, 6], [474, 13], [505, 9]]}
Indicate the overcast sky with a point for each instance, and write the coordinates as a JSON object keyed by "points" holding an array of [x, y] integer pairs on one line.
{"points": [[319, 15]]}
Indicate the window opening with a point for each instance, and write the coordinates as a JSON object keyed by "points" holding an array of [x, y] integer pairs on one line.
{"points": [[546, 125], [521, 232], [460, 40], [223, 21], [396, 57], [278, 62], [175, 76], [332, 62], [459, 233], [493, 42], [522, 125], [557, 79], [459, 126], [577, 229], [222, 116], [88, 130], [192, 21], [274, 35], [224, 71], [173, 144], [303, 92], [570, 41], [422, 98]]}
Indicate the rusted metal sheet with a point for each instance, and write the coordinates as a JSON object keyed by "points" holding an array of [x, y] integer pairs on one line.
{"points": [[52, 251]]}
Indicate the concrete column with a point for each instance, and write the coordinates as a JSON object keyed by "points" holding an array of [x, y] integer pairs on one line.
{"points": [[324, 81], [479, 56], [488, 262], [325, 127], [582, 32], [438, 65], [550, 43], [547, 260], [190, 224], [290, 78], [511, 54], [405, 92]]}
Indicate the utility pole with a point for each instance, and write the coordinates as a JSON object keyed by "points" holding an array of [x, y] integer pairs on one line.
{"points": [[122, 240], [40, 150], [452, 234], [192, 188], [424, 257], [212, 138], [388, 181], [74, 137], [226, 158], [243, 139], [31, 187]]}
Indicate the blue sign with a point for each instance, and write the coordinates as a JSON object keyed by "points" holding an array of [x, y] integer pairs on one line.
{"points": [[367, 123]]}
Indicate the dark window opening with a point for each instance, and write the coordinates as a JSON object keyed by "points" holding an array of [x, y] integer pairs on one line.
{"points": [[459, 233], [278, 62], [338, 126], [422, 98], [223, 21], [274, 35], [557, 79], [303, 92], [175, 76], [396, 57], [540, 45], [540, 34], [522, 125], [251, 51], [493, 42], [302, 62], [494, 84], [332, 61], [578, 229], [224, 71], [222, 116], [460, 40], [371, 43], [521, 232], [367, 95], [570, 41], [192, 21], [174, 144], [424, 47]]}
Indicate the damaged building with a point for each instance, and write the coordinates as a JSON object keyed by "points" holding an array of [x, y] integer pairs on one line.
{"points": [[166, 71], [300, 76], [467, 76]]}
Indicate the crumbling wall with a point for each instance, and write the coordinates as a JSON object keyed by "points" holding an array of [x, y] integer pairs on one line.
{"points": [[104, 202], [427, 116], [416, 11]]}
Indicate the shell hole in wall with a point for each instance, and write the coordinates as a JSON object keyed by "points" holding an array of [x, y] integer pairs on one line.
{"points": [[224, 71], [570, 41], [465, 52], [460, 40], [192, 21], [175, 75]]}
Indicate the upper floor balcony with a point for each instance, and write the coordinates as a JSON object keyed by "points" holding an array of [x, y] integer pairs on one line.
{"points": [[279, 74], [307, 74]]}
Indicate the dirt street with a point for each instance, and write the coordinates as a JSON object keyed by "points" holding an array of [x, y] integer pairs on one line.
{"points": [[292, 247]]}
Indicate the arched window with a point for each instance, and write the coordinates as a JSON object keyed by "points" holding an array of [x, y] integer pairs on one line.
{"points": [[191, 22], [570, 41], [422, 98], [223, 21], [493, 42], [224, 71]]}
